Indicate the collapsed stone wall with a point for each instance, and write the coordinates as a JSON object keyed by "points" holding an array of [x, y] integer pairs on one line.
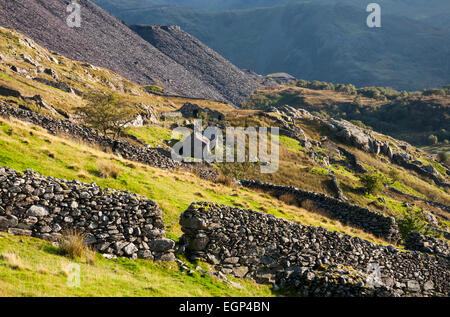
{"points": [[271, 250], [117, 223], [419, 242], [363, 218]]}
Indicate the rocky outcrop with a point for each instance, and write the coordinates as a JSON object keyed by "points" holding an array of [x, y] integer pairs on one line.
{"points": [[348, 214], [352, 135], [353, 161], [57, 84], [250, 244], [116, 223]]}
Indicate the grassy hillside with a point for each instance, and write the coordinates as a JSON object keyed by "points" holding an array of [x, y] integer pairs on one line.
{"points": [[173, 190], [33, 268], [29, 267]]}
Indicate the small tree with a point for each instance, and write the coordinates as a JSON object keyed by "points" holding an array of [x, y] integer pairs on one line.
{"points": [[394, 175], [372, 183], [413, 221], [443, 157], [433, 139], [107, 112]]}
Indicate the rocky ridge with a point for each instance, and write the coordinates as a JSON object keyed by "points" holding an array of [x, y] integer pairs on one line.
{"points": [[352, 135]]}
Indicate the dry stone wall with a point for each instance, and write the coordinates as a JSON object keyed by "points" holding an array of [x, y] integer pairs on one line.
{"points": [[310, 260], [117, 223], [363, 218]]}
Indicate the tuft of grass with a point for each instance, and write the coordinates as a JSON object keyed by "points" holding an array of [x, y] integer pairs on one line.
{"points": [[108, 169], [13, 261], [226, 180], [288, 199], [73, 246]]}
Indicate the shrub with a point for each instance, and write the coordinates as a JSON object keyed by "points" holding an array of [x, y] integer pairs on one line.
{"points": [[154, 89], [412, 221], [372, 183], [394, 175], [432, 139], [444, 157], [13, 261], [288, 199], [224, 179]]}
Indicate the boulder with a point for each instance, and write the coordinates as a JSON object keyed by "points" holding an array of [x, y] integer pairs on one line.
{"points": [[130, 249], [162, 245], [37, 211], [8, 221]]}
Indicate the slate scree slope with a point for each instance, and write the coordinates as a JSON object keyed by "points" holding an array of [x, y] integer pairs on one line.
{"points": [[105, 41]]}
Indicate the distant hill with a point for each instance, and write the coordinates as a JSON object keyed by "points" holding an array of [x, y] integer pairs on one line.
{"points": [[105, 41], [319, 40]]}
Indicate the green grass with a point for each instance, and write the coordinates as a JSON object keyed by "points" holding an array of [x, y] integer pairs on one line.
{"points": [[320, 171], [341, 170], [42, 272], [291, 143], [153, 136]]}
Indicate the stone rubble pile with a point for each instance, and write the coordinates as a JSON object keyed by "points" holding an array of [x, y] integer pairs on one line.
{"points": [[116, 223], [308, 259]]}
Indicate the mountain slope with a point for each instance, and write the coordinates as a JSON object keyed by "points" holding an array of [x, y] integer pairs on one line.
{"points": [[321, 41], [198, 59], [104, 41]]}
